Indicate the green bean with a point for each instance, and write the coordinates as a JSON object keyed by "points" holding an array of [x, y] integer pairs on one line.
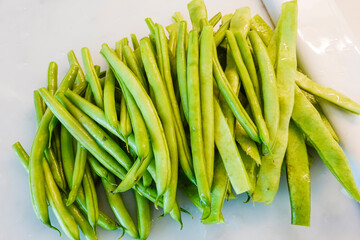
{"points": [[39, 110], [119, 209], [177, 17], [80, 78], [248, 84], [269, 89], [298, 176], [249, 62], [164, 107], [67, 154], [96, 166], [134, 41], [92, 77], [240, 21], [229, 153], [22, 155], [233, 101], [149, 22], [215, 19], [104, 221], [147, 109], [36, 174], [176, 213], [191, 192], [327, 94], [143, 216], [314, 102], [90, 197], [206, 99], [103, 139], [62, 214], [52, 78], [133, 64], [147, 179], [181, 67], [109, 99], [195, 123], [269, 174], [78, 173], [125, 123], [76, 129], [248, 145], [309, 121], [197, 12], [262, 28], [251, 167], [84, 225], [141, 139], [221, 32], [218, 193]]}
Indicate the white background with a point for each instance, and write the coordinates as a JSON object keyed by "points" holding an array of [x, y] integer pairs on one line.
{"points": [[33, 33]]}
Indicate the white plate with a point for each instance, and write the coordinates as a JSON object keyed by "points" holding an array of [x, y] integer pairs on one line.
{"points": [[37, 32]]}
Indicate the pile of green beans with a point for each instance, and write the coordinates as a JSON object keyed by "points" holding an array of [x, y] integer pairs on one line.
{"points": [[171, 113]]}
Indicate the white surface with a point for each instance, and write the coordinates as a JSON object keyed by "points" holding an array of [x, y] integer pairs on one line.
{"points": [[37, 32]]}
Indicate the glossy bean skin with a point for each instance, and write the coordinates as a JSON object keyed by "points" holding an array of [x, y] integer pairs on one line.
{"points": [[36, 174], [195, 123], [262, 28], [52, 77], [309, 121], [269, 174], [90, 198], [298, 176]]}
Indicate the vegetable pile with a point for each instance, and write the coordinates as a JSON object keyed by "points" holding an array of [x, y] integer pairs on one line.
{"points": [[212, 113]]}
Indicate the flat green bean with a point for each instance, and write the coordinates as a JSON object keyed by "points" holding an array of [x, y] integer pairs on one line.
{"points": [[197, 12], [327, 94], [215, 19], [298, 176], [309, 121], [268, 177]]}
